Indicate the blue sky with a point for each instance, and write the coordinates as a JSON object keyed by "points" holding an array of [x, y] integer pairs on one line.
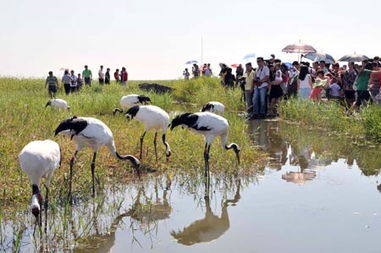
{"points": [[154, 39]]}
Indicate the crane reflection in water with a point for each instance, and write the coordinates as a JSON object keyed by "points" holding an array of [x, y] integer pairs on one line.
{"points": [[212, 226]]}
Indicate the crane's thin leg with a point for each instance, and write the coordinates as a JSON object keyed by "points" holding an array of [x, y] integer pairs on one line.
{"points": [[46, 205], [206, 158], [154, 145], [141, 144], [40, 201], [92, 171], [72, 160]]}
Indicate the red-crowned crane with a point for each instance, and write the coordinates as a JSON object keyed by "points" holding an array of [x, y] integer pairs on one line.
{"points": [[92, 133], [131, 100], [215, 107], [58, 103], [40, 159], [153, 117], [210, 126]]}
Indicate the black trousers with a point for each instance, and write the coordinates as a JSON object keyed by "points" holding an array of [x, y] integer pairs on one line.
{"points": [[67, 88]]}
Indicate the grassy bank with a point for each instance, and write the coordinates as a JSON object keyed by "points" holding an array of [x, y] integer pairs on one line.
{"points": [[24, 118], [333, 117]]}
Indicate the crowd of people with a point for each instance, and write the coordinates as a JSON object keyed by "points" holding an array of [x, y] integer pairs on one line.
{"points": [[73, 82], [205, 70], [352, 85], [271, 80]]}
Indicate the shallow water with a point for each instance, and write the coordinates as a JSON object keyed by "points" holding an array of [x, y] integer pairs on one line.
{"points": [[318, 193]]}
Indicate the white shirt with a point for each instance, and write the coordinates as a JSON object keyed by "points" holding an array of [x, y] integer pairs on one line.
{"points": [[278, 75], [73, 81], [306, 82], [261, 73], [101, 75]]}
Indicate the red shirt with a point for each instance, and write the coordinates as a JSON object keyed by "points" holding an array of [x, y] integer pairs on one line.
{"points": [[116, 76], [124, 76]]}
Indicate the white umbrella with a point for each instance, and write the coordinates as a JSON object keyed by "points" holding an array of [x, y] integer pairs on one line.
{"points": [[191, 62], [320, 57], [354, 57], [249, 56], [299, 49]]}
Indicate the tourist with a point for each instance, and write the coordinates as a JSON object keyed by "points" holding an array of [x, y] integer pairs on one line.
{"points": [[348, 78], [336, 72], [314, 69], [292, 88], [101, 75], [73, 84], [195, 70], [239, 72], [124, 76], [317, 85], [375, 83], [376, 60], [203, 68], [249, 89], [210, 70], [107, 76], [87, 75], [304, 82], [229, 78], [207, 71], [334, 89], [285, 78], [260, 89], [79, 82], [276, 91], [186, 74], [323, 67], [52, 83], [66, 80], [361, 85], [117, 76]]}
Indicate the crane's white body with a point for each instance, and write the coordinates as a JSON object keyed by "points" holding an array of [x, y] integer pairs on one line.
{"points": [[209, 125], [39, 159], [217, 124], [129, 101], [153, 117], [95, 135], [59, 103], [217, 107]]}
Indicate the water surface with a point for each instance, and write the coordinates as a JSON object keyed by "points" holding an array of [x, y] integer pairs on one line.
{"points": [[318, 193]]}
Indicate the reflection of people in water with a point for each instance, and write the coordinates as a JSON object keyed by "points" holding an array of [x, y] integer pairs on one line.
{"points": [[210, 227], [266, 135]]}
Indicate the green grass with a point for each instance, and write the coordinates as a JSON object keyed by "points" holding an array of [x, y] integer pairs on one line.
{"points": [[24, 118], [333, 117]]}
